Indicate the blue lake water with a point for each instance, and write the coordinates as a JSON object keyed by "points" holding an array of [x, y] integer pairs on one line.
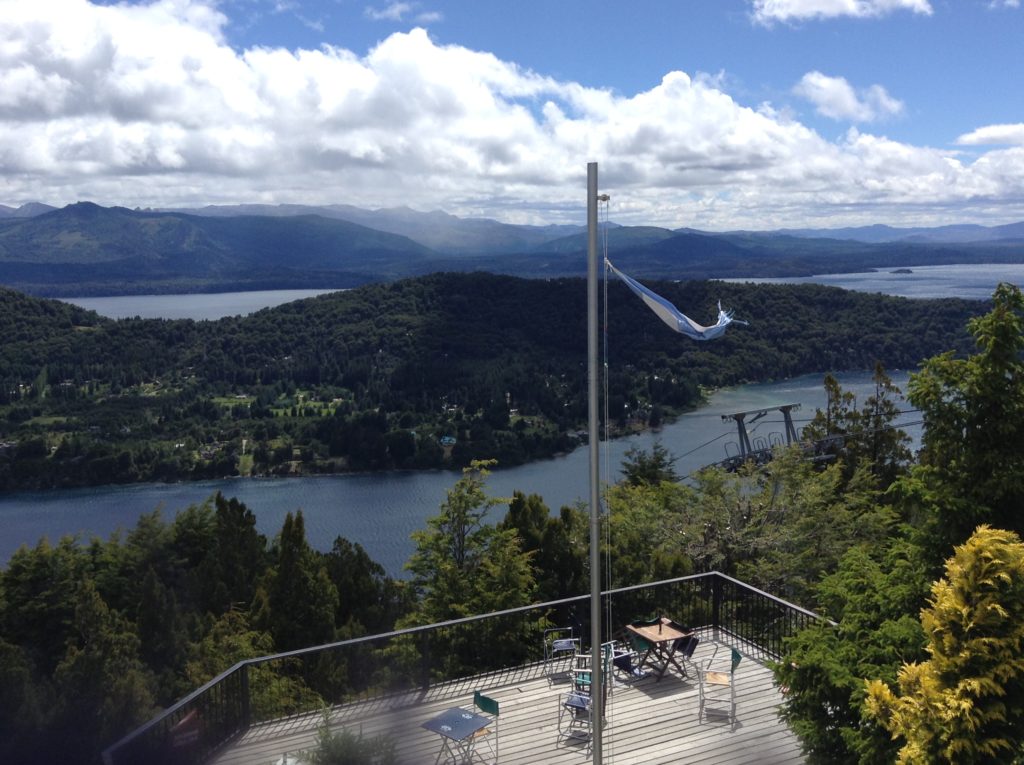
{"points": [[197, 306], [971, 282], [380, 511]]}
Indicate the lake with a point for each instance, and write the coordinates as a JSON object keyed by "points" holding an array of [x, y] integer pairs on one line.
{"points": [[195, 306], [381, 510], [971, 282]]}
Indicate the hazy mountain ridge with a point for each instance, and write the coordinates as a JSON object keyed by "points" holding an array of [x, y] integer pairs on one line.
{"points": [[436, 229], [27, 210], [83, 247], [86, 249], [960, 233]]}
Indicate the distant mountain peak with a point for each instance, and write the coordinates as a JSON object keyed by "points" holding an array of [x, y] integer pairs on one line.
{"points": [[27, 210]]}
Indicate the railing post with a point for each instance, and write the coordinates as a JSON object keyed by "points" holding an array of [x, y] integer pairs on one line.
{"points": [[246, 703], [716, 603], [425, 659]]}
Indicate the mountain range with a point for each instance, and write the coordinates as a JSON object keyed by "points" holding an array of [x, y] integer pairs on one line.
{"points": [[86, 249]]}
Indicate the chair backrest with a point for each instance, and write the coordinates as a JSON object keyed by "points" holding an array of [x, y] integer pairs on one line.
{"points": [[485, 703], [646, 622], [690, 646], [736, 656], [639, 644], [559, 638]]}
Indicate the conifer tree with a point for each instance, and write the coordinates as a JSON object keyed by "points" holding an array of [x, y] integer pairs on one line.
{"points": [[296, 602], [557, 544], [238, 556], [103, 686], [965, 703], [971, 467], [872, 596], [854, 434], [464, 566]]}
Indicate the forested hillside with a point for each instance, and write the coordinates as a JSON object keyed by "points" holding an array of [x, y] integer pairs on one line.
{"points": [[95, 638], [426, 372]]}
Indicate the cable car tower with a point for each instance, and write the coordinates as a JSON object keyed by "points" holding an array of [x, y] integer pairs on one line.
{"points": [[761, 450]]}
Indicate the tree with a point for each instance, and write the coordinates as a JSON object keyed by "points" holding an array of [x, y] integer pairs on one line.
{"points": [[872, 597], [887, 447], [238, 557], [780, 526], [161, 632], [965, 703], [971, 468], [463, 566], [558, 544], [642, 531], [866, 433], [368, 600], [802, 520], [275, 690], [104, 688], [39, 599], [296, 601], [22, 709], [649, 467], [448, 552]]}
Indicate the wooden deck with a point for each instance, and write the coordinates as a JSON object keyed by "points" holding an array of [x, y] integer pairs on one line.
{"points": [[648, 721]]}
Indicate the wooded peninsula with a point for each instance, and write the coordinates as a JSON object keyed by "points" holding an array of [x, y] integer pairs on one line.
{"points": [[427, 372]]}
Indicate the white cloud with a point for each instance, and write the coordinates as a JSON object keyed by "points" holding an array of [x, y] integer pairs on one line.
{"points": [[402, 11], [989, 135], [148, 105], [1004, 4], [769, 11], [835, 98], [393, 12]]}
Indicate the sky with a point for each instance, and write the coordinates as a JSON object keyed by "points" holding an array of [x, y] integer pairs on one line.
{"points": [[711, 114]]}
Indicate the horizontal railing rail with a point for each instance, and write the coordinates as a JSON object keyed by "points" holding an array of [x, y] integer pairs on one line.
{"points": [[402, 664]]}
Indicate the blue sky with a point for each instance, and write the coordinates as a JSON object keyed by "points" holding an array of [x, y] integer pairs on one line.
{"points": [[717, 115]]}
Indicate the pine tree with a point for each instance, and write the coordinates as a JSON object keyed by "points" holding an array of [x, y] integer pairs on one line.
{"points": [[872, 596], [103, 686], [464, 566], [297, 601], [965, 703], [971, 467]]}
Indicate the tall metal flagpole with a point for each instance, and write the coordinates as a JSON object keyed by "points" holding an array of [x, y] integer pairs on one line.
{"points": [[596, 666]]}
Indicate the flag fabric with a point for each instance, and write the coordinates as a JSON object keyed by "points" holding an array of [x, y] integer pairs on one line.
{"points": [[672, 316]]}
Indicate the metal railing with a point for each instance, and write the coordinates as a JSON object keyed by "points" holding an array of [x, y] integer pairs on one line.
{"points": [[400, 666]]}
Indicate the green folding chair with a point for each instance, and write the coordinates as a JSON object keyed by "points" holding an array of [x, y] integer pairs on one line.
{"points": [[485, 736]]}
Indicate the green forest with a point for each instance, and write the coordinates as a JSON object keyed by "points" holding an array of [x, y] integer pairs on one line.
{"points": [[428, 372], [916, 559]]}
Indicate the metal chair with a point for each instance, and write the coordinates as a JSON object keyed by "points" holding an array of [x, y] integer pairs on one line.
{"points": [[484, 737], [624, 663], [575, 717], [715, 681], [685, 650], [581, 669], [580, 673], [559, 645]]}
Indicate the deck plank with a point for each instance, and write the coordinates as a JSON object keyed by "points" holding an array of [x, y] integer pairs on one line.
{"points": [[648, 722]]}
